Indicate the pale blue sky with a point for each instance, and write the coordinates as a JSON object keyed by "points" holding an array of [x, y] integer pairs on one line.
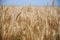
{"points": [[28, 2]]}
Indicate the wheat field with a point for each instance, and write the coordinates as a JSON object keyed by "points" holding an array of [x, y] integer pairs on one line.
{"points": [[29, 23]]}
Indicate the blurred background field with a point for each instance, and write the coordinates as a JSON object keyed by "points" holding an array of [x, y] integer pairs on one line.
{"points": [[29, 22]]}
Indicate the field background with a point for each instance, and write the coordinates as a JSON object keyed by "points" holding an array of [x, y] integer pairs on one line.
{"points": [[29, 20], [29, 23]]}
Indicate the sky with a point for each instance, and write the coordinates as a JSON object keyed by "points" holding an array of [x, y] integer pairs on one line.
{"points": [[28, 2]]}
